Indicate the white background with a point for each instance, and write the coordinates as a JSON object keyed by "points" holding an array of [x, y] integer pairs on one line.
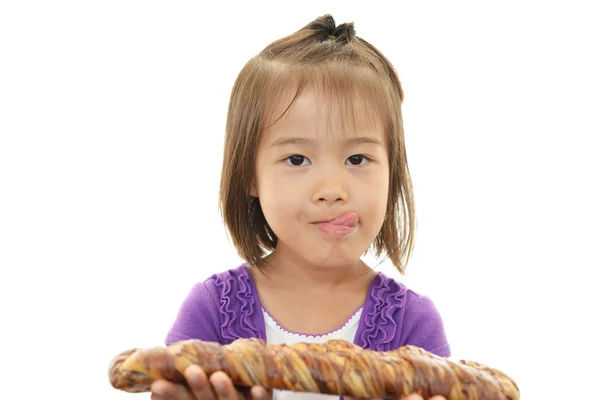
{"points": [[112, 116]]}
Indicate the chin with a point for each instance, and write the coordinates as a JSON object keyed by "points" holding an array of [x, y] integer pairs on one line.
{"points": [[335, 261]]}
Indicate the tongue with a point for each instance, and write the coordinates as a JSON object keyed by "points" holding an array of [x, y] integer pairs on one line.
{"points": [[347, 219]]}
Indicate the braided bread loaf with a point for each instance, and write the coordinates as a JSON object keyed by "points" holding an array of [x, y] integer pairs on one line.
{"points": [[334, 367]]}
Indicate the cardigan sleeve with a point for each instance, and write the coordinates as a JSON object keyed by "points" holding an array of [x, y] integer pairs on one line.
{"points": [[197, 317], [423, 326]]}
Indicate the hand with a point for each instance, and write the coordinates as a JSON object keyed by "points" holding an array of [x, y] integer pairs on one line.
{"points": [[217, 387], [410, 397]]}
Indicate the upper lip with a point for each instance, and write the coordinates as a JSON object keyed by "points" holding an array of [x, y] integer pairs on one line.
{"points": [[334, 218], [324, 221]]}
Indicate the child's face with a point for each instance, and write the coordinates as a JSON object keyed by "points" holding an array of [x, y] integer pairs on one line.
{"points": [[318, 176]]}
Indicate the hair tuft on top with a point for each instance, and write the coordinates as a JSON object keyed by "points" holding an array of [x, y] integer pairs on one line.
{"points": [[326, 29]]}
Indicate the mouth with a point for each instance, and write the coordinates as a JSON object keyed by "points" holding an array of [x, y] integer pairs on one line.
{"points": [[348, 219], [339, 227]]}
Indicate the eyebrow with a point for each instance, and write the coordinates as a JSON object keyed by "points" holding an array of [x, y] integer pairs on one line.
{"points": [[305, 141]]}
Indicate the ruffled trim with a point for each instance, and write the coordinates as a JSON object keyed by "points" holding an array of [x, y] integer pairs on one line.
{"points": [[380, 319], [238, 283], [351, 321]]}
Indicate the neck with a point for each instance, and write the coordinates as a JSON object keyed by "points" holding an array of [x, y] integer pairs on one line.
{"points": [[291, 271]]}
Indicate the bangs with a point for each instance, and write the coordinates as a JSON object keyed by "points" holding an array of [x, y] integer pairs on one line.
{"points": [[353, 98]]}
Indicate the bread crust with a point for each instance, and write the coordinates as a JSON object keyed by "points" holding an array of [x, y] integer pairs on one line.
{"points": [[335, 367]]}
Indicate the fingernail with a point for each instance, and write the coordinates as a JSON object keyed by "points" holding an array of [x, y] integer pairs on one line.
{"points": [[190, 376], [195, 380], [159, 391], [220, 387]]}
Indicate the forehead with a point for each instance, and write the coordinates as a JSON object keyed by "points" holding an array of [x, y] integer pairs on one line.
{"points": [[323, 116]]}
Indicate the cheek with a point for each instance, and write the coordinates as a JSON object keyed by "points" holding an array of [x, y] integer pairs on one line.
{"points": [[381, 193], [279, 199]]}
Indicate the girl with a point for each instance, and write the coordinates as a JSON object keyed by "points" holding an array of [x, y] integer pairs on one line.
{"points": [[314, 175]]}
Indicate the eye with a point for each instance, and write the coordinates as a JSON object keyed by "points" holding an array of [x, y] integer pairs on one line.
{"points": [[296, 160], [357, 159]]}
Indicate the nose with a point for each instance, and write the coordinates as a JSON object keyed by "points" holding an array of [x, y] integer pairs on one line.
{"points": [[330, 188]]}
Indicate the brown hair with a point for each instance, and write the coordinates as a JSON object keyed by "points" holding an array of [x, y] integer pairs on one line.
{"points": [[344, 66]]}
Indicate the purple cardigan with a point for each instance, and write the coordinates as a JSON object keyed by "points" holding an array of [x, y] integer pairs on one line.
{"points": [[226, 307]]}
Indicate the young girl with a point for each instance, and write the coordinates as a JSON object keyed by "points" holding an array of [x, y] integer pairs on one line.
{"points": [[314, 175]]}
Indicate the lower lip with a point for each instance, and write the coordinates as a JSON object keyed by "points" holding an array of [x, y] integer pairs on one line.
{"points": [[333, 230]]}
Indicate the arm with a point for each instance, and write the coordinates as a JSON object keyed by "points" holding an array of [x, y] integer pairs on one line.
{"points": [[423, 326], [197, 317]]}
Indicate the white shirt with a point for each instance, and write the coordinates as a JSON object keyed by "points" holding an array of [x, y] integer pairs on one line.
{"points": [[277, 335]]}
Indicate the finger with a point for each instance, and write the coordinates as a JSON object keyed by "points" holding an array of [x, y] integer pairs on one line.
{"points": [[413, 396], [165, 390], [261, 393], [438, 397], [156, 397], [373, 398], [160, 389], [198, 382], [224, 387]]}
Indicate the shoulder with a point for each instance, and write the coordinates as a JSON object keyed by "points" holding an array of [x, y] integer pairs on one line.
{"points": [[222, 281], [385, 289], [396, 293], [398, 315], [220, 308], [209, 291]]}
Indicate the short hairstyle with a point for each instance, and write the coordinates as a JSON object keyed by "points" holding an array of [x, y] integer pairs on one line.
{"points": [[342, 66]]}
